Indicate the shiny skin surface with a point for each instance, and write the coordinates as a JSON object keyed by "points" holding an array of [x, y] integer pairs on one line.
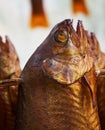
{"points": [[55, 106], [99, 60], [99, 63], [101, 100], [9, 68], [59, 84]]}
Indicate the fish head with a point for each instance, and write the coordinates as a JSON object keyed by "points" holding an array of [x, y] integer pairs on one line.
{"points": [[96, 52], [9, 61], [63, 55]]}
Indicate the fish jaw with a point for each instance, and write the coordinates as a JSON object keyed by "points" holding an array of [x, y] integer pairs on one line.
{"points": [[67, 72]]}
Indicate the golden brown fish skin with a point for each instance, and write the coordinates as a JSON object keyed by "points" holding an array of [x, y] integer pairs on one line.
{"points": [[55, 106], [97, 54], [9, 61], [9, 68], [99, 63], [99, 60], [66, 101], [101, 100]]}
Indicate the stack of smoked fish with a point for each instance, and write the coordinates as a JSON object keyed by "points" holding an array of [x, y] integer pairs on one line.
{"points": [[61, 87]]}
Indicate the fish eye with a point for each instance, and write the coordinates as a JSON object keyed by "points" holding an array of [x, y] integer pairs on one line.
{"points": [[61, 36]]}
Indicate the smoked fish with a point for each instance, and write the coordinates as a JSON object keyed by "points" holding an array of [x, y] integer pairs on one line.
{"points": [[9, 68], [58, 88], [99, 61]]}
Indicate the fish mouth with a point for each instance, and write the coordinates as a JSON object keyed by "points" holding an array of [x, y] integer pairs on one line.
{"points": [[66, 71], [72, 60]]}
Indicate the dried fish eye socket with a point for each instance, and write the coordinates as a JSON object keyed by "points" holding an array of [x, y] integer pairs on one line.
{"points": [[61, 36]]}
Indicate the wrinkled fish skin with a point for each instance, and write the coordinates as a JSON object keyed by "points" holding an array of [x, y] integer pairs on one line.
{"points": [[57, 91], [55, 106], [101, 100], [99, 60], [9, 68]]}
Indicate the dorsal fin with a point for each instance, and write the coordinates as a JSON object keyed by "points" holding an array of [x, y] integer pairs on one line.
{"points": [[74, 36], [82, 34]]}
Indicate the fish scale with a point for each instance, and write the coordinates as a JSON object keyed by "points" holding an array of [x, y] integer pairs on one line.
{"points": [[63, 107], [72, 105], [9, 116], [57, 93], [58, 112], [99, 61], [101, 100]]}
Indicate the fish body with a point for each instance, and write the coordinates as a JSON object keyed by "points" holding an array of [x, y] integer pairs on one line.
{"points": [[9, 68], [99, 60], [50, 105], [57, 91], [101, 100]]}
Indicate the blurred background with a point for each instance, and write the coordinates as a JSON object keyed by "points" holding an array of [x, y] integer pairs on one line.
{"points": [[28, 22]]}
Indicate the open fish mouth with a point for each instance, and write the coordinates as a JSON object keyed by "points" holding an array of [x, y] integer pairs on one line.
{"points": [[66, 71]]}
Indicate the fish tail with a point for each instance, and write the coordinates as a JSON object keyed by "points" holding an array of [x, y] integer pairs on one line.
{"points": [[80, 6], [38, 16], [38, 20]]}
